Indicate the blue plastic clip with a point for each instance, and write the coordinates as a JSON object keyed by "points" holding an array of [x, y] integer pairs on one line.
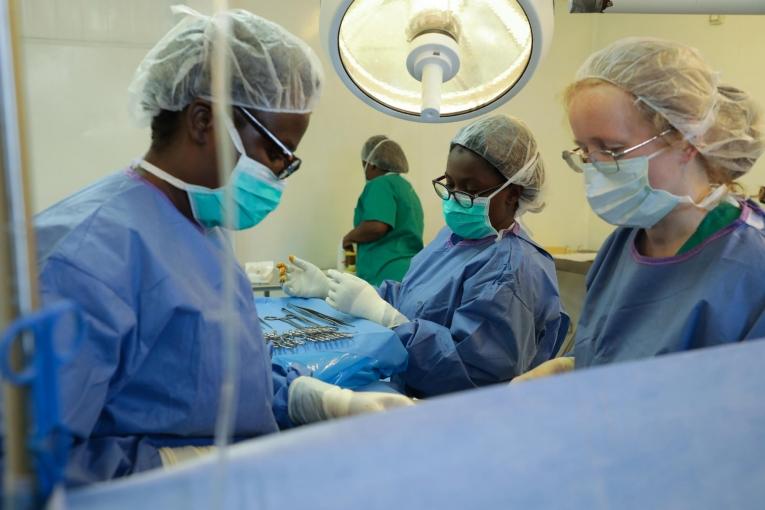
{"points": [[50, 440]]}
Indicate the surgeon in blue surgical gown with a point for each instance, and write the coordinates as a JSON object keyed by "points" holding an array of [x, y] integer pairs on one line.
{"points": [[142, 253], [661, 143], [480, 304]]}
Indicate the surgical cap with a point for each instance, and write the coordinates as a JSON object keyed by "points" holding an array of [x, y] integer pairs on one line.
{"points": [[385, 154], [508, 145], [271, 69], [673, 80]]}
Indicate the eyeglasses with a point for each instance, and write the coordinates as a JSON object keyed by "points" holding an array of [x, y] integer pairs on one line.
{"points": [[292, 162], [604, 161], [463, 198]]}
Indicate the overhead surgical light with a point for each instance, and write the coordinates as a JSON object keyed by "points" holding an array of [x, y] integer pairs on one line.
{"points": [[436, 60]]}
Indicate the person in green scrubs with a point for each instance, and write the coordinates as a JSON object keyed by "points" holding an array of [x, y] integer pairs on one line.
{"points": [[388, 219]]}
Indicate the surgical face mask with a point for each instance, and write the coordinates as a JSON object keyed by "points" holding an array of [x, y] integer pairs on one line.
{"points": [[471, 222], [255, 192], [623, 196]]}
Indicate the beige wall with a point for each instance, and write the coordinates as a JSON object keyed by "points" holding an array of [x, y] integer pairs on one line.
{"points": [[80, 62], [79, 58]]}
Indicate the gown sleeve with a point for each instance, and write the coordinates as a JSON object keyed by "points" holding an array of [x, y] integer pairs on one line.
{"points": [[491, 338]]}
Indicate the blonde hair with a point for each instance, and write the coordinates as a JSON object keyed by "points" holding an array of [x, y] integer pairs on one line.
{"points": [[717, 171], [675, 88]]}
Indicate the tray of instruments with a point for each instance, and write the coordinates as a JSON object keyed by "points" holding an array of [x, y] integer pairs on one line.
{"points": [[336, 347]]}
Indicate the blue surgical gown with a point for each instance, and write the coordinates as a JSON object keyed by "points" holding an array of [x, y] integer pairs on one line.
{"points": [[638, 307], [150, 284], [481, 311]]}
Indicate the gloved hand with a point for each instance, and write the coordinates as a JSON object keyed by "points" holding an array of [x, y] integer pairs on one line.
{"points": [[550, 367], [310, 400], [172, 456], [302, 279], [354, 296]]}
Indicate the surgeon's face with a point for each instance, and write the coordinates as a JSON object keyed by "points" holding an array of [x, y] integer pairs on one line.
{"points": [[468, 172], [288, 128], [604, 117]]}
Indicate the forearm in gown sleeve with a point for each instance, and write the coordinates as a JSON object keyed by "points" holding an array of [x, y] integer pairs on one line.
{"points": [[389, 291], [283, 377], [490, 339]]}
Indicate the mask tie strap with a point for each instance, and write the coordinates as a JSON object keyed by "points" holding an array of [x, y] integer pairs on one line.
{"points": [[158, 172]]}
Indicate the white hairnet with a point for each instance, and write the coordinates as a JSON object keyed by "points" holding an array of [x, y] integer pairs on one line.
{"points": [[673, 80], [271, 69], [509, 146], [385, 154]]}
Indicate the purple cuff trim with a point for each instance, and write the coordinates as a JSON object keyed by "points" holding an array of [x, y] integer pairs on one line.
{"points": [[468, 242], [515, 229], [746, 211], [130, 172]]}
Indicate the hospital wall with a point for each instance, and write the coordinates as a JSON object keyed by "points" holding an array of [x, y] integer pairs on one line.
{"points": [[80, 56]]}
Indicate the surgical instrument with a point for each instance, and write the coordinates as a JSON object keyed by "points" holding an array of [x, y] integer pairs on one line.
{"points": [[299, 335], [320, 316]]}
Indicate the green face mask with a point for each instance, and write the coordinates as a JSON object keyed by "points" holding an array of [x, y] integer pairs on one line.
{"points": [[255, 191], [471, 222]]}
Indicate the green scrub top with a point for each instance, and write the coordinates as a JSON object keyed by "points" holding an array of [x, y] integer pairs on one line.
{"points": [[389, 199], [715, 220]]}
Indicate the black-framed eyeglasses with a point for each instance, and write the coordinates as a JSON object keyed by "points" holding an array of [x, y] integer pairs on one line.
{"points": [[291, 162], [605, 161], [463, 198]]}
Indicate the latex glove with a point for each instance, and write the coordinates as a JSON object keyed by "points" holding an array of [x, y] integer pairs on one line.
{"points": [[302, 279], [310, 400], [550, 367], [173, 456], [354, 296]]}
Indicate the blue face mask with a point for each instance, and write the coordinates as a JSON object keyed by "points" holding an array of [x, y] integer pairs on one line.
{"points": [[471, 222], [255, 192], [623, 196]]}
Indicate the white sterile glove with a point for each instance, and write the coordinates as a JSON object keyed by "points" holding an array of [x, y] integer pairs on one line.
{"points": [[173, 456], [354, 296], [550, 367], [310, 400], [302, 279]]}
